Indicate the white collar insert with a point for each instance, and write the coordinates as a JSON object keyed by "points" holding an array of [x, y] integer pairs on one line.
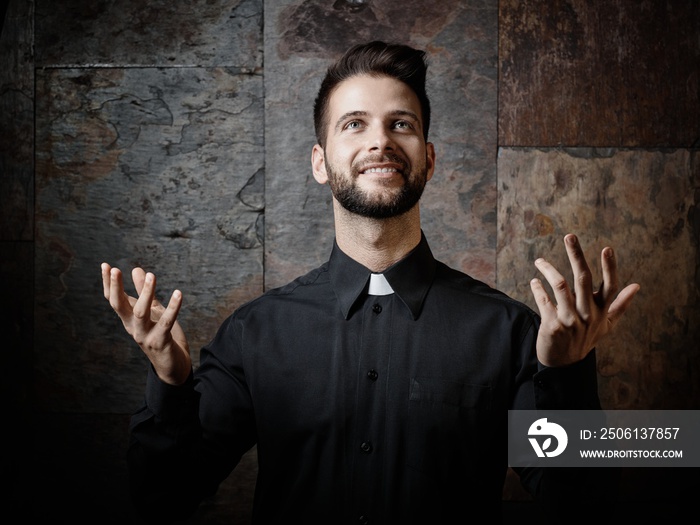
{"points": [[378, 285]]}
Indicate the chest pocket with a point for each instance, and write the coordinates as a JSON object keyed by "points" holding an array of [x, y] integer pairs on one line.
{"points": [[428, 391], [447, 422]]}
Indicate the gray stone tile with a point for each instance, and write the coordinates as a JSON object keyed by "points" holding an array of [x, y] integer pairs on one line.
{"points": [[154, 33], [17, 123], [158, 168]]}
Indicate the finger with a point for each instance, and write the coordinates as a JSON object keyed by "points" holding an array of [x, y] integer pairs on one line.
{"points": [[105, 269], [608, 263], [167, 320], [142, 308], [547, 309], [562, 292], [138, 275], [621, 303], [583, 282], [117, 297]]}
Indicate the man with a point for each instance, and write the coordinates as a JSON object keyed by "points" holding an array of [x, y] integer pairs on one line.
{"points": [[376, 387]]}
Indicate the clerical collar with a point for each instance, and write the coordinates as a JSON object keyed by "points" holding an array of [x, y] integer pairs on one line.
{"points": [[378, 285], [410, 278]]}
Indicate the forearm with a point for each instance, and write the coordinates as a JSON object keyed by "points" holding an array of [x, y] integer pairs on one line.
{"points": [[167, 475], [567, 491]]}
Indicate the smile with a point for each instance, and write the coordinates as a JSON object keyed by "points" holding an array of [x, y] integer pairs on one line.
{"points": [[380, 170]]}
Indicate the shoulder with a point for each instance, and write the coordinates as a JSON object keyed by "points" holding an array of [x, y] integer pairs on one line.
{"points": [[475, 290], [309, 285]]}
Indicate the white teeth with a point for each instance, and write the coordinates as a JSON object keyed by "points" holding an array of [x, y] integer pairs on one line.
{"points": [[380, 170]]}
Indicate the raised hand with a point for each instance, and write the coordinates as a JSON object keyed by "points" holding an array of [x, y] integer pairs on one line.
{"points": [[154, 327], [574, 324]]}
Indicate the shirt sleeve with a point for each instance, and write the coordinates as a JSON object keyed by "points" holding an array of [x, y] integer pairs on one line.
{"points": [[175, 459], [562, 492], [162, 433]]}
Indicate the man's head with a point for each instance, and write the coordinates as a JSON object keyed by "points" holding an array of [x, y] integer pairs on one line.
{"points": [[376, 58], [371, 120]]}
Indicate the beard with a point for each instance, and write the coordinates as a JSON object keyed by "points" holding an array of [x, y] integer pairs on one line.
{"points": [[384, 204]]}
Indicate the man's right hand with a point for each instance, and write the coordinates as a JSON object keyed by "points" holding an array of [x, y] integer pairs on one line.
{"points": [[154, 327]]}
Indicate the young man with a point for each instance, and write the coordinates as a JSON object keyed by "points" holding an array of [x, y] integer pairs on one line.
{"points": [[376, 387]]}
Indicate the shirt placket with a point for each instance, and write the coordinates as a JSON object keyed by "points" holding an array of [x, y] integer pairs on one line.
{"points": [[372, 386]]}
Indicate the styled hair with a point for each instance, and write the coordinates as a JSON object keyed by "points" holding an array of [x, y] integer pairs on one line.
{"points": [[375, 58]]}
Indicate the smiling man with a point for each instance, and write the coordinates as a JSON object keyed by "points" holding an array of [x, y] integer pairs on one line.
{"points": [[376, 387]]}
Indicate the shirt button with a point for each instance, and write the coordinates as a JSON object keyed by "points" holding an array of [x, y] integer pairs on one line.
{"points": [[377, 308], [364, 520], [373, 375], [366, 447]]}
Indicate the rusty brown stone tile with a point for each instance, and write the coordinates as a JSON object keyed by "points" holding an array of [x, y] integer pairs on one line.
{"points": [[17, 123], [159, 168], [612, 74], [153, 33], [645, 205], [458, 207]]}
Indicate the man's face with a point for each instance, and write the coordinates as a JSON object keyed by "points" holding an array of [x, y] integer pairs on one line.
{"points": [[376, 160]]}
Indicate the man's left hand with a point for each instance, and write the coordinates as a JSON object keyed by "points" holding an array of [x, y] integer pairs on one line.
{"points": [[574, 324]]}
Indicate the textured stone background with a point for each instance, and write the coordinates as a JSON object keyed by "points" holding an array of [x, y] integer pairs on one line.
{"points": [[177, 136]]}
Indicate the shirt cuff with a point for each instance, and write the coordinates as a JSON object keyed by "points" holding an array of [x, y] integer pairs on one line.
{"points": [[169, 402], [572, 387]]}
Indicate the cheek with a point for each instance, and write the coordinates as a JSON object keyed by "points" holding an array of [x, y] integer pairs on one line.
{"points": [[342, 156]]}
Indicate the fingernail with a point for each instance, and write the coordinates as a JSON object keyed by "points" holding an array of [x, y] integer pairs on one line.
{"points": [[149, 277], [609, 253], [540, 260], [571, 239]]}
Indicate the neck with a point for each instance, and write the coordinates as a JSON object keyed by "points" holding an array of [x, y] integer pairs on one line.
{"points": [[376, 243]]}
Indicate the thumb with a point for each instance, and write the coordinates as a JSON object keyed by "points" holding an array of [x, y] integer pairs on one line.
{"points": [[622, 302]]}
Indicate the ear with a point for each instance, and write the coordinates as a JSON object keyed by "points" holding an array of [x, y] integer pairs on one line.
{"points": [[318, 164], [429, 160]]}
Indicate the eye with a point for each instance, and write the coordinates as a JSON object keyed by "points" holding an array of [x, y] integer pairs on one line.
{"points": [[403, 124], [353, 124]]}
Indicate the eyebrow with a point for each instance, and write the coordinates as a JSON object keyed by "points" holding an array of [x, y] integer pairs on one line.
{"points": [[395, 113]]}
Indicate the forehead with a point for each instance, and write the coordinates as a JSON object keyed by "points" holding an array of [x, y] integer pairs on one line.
{"points": [[374, 95]]}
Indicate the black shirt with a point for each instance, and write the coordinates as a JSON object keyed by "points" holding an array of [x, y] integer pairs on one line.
{"points": [[374, 409]]}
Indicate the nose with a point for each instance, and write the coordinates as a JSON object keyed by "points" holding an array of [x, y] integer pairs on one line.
{"points": [[381, 140]]}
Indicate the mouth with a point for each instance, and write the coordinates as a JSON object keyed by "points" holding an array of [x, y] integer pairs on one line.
{"points": [[382, 169]]}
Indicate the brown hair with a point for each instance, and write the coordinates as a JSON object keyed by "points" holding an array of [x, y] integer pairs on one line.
{"points": [[375, 58]]}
